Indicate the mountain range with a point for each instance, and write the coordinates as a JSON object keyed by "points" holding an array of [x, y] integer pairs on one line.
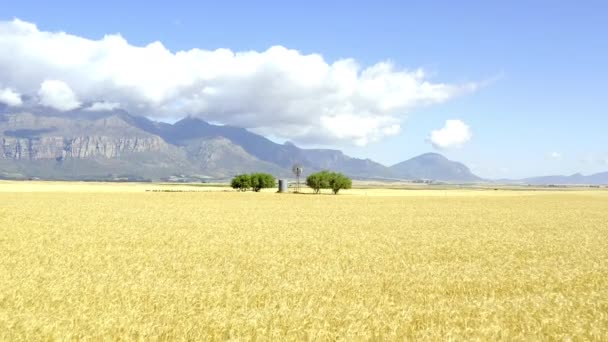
{"points": [[42, 143], [39, 142], [577, 178]]}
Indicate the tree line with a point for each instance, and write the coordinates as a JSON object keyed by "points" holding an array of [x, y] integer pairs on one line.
{"points": [[254, 181], [317, 181], [328, 180]]}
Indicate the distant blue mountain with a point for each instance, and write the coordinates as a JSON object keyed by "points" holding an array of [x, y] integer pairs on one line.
{"points": [[434, 166], [577, 178], [47, 144]]}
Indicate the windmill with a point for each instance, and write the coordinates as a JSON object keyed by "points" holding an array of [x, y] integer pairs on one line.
{"points": [[297, 170]]}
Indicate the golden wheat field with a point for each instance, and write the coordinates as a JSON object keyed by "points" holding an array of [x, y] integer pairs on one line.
{"points": [[114, 262]]}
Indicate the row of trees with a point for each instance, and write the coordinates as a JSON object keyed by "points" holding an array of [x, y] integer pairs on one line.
{"points": [[254, 181], [328, 180], [317, 181]]}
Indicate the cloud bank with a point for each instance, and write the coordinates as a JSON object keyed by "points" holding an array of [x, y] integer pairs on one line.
{"points": [[280, 91], [102, 106], [57, 95], [9, 97], [453, 135]]}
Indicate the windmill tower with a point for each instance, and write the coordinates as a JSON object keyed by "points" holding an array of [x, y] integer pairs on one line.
{"points": [[297, 170]]}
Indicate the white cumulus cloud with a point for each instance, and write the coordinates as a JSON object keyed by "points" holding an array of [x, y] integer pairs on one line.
{"points": [[102, 106], [556, 155], [453, 134], [279, 91], [9, 97], [56, 94]]}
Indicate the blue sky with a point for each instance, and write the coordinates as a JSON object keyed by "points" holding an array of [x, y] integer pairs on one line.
{"points": [[541, 107]]}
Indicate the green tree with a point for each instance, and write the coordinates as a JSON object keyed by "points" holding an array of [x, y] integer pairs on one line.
{"points": [[241, 182], [261, 181], [328, 180], [339, 181], [318, 181]]}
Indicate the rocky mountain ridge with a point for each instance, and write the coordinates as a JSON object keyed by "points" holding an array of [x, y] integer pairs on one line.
{"points": [[48, 144]]}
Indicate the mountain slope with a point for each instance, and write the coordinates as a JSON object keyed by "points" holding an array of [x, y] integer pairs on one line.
{"points": [[596, 179], [219, 155], [282, 155], [40, 142], [434, 166], [83, 146]]}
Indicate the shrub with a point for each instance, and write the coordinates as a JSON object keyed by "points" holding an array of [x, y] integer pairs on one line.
{"points": [[261, 181], [328, 180], [241, 182], [339, 181], [318, 181]]}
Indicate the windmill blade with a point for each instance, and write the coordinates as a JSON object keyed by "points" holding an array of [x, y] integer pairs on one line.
{"points": [[297, 169]]}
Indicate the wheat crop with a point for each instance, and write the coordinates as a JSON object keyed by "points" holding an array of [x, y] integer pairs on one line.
{"points": [[138, 265]]}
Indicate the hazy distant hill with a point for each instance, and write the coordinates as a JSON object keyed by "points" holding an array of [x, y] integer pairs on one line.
{"points": [[47, 144], [597, 179], [434, 166]]}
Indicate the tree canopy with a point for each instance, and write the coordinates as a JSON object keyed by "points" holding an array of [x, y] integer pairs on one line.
{"points": [[318, 181], [328, 180], [338, 182], [261, 181], [241, 182], [254, 181]]}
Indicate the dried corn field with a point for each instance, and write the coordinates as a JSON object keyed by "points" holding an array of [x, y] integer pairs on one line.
{"points": [[224, 265]]}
